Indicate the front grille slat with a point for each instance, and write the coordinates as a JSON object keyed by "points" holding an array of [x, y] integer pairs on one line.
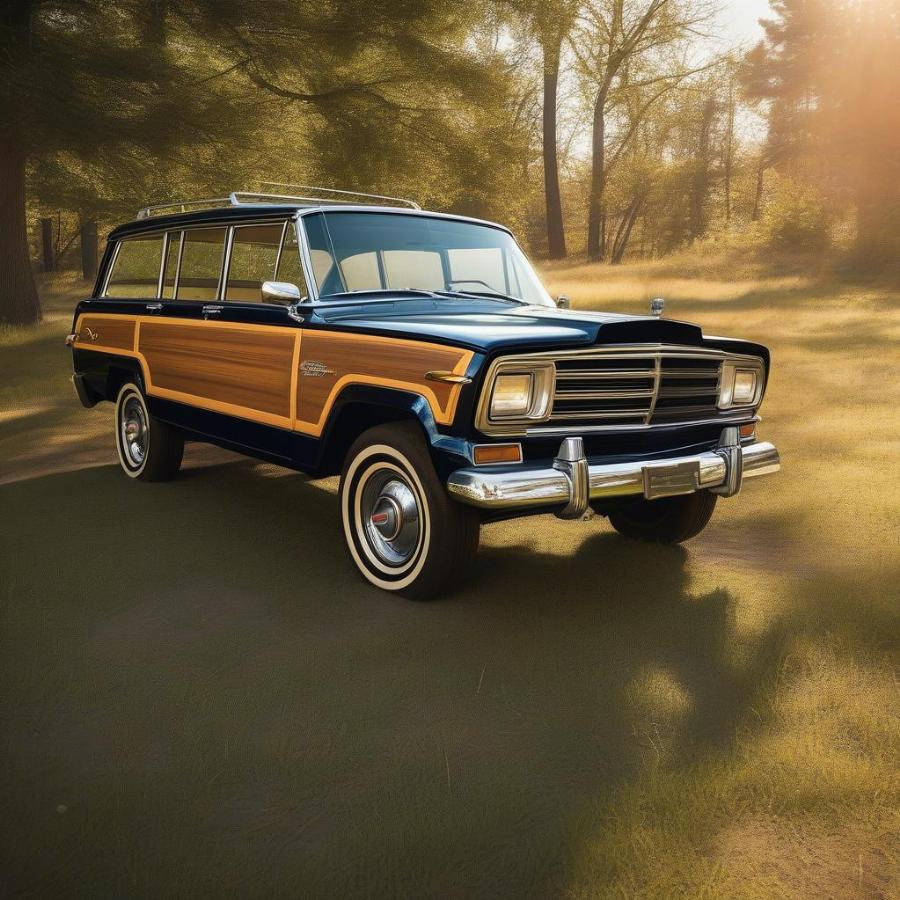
{"points": [[642, 388], [604, 395]]}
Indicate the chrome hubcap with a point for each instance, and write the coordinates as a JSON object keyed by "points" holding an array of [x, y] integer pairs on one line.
{"points": [[390, 513], [134, 431]]}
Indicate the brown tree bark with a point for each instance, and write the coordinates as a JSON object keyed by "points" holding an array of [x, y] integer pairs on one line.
{"points": [[19, 302], [48, 246], [556, 237], [700, 180], [598, 179]]}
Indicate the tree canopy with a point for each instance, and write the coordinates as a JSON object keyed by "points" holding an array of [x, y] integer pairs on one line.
{"points": [[621, 122]]}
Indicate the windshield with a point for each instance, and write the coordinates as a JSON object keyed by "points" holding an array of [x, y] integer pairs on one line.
{"points": [[375, 251]]}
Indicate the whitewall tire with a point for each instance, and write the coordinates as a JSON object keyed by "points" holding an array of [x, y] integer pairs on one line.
{"points": [[148, 449], [403, 532]]}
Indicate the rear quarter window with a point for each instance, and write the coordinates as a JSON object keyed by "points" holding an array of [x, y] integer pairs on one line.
{"points": [[135, 269]]}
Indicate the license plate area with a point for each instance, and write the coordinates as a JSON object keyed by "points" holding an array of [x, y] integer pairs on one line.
{"points": [[672, 479]]}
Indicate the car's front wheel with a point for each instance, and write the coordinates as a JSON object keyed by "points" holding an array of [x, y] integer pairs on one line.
{"points": [[670, 520], [149, 450], [402, 530]]}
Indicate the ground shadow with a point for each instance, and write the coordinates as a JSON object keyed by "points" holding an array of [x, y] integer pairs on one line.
{"points": [[200, 697]]}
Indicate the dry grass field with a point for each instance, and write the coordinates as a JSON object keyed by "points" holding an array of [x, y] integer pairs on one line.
{"points": [[200, 698]]}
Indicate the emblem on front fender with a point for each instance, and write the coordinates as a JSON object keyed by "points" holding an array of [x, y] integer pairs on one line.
{"points": [[315, 369]]}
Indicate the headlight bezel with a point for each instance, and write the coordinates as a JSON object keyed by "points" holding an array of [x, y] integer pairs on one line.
{"points": [[732, 368], [540, 402]]}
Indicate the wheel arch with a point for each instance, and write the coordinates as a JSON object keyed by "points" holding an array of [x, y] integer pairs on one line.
{"points": [[120, 370], [360, 407]]}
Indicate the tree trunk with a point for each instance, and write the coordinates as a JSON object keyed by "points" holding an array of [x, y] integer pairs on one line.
{"points": [[700, 180], [19, 303], [729, 151], [47, 245], [89, 250], [556, 236], [598, 180], [757, 197], [624, 234]]}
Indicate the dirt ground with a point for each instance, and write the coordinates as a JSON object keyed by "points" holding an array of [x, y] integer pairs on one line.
{"points": [[200, 697]]}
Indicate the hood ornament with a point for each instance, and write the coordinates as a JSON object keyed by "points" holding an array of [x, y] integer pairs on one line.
{"points": [[657, 305]]}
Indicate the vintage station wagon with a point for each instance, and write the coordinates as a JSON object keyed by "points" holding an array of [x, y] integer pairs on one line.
{"points": [[418, 355]]}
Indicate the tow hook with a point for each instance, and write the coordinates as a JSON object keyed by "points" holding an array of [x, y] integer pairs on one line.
{"points": [[730, 450]]}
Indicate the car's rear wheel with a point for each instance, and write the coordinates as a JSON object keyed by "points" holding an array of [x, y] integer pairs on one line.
{"points": [[670, 520], [149, 450], [403, 531]]}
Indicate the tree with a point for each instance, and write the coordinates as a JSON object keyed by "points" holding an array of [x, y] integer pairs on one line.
{"points": [[79, 91], [828, 71], [624, 43]]}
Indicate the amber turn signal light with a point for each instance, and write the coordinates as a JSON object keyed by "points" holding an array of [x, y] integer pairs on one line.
{"points": [[488, 454], [748, 430]]}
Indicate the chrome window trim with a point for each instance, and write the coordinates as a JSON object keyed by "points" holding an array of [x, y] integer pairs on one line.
{"points": [[178, 265], [280, 249], [524, 427], [226, 264], [109, 270], [162, 266], [312, 289]]}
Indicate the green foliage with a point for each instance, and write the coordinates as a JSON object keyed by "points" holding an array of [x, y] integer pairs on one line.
{"points": [[796, 218]]}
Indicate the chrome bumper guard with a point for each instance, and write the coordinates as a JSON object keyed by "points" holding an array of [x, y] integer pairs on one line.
{"points": [[572, 480]]}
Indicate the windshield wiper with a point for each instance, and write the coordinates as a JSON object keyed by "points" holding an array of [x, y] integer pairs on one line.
{"points": [[424, 292], [489, 295]]}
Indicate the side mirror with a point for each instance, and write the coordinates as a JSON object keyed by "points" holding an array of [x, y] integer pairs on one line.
{"points": [[563, 302], [280, 292]]}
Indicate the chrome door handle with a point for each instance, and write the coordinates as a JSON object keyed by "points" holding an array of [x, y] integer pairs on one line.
{"points": [[211, 311], [153, 307]]}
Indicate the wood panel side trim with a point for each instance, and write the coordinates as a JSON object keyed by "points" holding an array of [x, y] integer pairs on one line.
{"points": [[154, 389], [113, 333], [399, 363]]}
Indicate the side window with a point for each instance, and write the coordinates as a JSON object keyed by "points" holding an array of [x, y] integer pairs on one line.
{"points": [[201, 264], [135, 272], [254, 254], [290, 268]]}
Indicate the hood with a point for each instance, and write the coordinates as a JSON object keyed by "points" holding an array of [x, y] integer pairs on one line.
{"points": [[487, 325]]}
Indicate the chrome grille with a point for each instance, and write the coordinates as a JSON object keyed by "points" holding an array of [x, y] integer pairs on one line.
{"points": [[640, 388]]}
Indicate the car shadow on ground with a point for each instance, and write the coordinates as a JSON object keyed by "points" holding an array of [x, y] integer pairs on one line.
{"points": [[200, 696]]}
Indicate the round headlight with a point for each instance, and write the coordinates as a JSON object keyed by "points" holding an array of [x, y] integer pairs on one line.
{"points": [[511, 397]]}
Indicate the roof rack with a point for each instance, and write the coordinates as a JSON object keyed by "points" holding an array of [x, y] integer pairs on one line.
{"points": [[249, 198], [308, 187]]}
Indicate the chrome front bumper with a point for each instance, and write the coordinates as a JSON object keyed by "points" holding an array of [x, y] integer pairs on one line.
{"points": [[573, 480]]}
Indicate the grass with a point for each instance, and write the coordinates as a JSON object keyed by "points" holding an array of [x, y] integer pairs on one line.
{"points": [[199, 696]]}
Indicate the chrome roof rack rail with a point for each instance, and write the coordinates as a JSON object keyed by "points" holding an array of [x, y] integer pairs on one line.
{"points": [[242, 198], [323, 190], [177, 206]]}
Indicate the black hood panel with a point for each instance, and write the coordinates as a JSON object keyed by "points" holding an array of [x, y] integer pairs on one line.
{"points": [[487, 326]]}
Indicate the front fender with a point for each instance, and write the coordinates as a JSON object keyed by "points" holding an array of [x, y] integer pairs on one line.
{"points": [[359, 407]]}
